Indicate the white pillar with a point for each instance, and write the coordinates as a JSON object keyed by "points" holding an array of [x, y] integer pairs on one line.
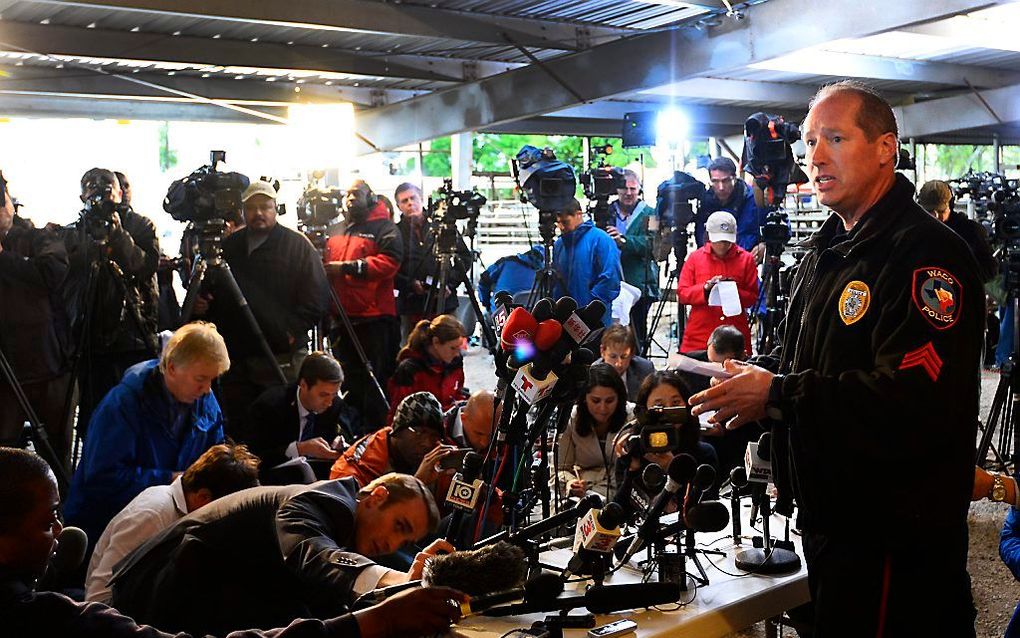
{"points": [[461, 160]]}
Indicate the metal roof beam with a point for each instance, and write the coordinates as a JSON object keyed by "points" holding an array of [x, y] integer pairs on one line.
{"points": [[364, 16], [771, 29], [960, 112], [123, 45], [727, 89], [121, 109]]}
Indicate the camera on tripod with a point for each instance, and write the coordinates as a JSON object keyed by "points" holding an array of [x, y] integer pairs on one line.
{"points": [[206, 194], [447, 207], [601, 183], [674, 197], [657, 430], [768, 155], [544, 181], [318, 205], [995, 200]]}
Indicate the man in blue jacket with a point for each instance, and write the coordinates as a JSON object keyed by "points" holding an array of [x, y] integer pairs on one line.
{"points": [[733, 195], [586, 260], [149, 428]]}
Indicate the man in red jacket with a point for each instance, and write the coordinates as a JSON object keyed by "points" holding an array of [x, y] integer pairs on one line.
{"points": [[362, 259], [720, 259]]}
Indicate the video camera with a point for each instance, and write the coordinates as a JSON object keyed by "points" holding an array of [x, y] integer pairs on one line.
{"points": [[453, 205], [768, 156], [673, 199], [206, 194], [995, 198], [545, 182], [657, 430], [319, 205]]}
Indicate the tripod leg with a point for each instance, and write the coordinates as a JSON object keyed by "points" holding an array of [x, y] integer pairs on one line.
{"points": [[226, 278], [359, 351], [487, 332], [194, 289]]}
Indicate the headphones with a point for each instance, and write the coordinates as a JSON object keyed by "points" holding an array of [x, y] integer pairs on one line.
{"points": [[281, 208]]}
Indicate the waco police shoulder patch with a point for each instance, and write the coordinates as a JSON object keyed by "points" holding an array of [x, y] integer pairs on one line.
{"points": [[938, 295], [854, 302]]}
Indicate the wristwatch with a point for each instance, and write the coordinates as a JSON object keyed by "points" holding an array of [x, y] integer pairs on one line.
{"points": [[998, 488], [773, 405]]}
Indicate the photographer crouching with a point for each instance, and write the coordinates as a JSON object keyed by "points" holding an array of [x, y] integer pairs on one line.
{"points": [[33, 264], [110, 291]]}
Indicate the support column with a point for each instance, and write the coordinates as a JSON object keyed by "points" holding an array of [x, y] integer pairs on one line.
{"points": [[996, 154], [461, 160]]}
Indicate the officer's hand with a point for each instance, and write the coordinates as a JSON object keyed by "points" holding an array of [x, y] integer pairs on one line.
{"points": [[738, 400], [414, 612], [201, 306], [317, 448]]}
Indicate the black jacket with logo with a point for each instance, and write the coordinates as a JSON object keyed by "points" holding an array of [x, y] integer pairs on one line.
{"points": [[881, 355]]}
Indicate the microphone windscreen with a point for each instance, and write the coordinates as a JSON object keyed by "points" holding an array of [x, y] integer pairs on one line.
{"points": [[471, 466], [503, 298], [72, 544], [612, 516], [564, 307], [738, 477], [593, 313], [590, 502], [765, 446], [492, 568], [543, 588], [654, 477], [707, 516], [543, 309], [704, 477], [682, 468], [609, 598], [520, 327], [547, 334], [583, 357]]}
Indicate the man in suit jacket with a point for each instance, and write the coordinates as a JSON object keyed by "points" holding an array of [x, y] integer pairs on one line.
{"points": [[618, 348], [266, 555], [307, 418]]}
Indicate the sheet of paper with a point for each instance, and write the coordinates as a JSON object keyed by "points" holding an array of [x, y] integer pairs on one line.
{"points": [[725, 294], [704, 368]]}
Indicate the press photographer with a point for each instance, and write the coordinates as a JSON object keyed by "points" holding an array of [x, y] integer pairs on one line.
{"points": [[936, 197], [110, 291], [586, 260], [280, 275], [629, 228], [419, 270], [33, 336], [730, 193], [362, 259]]}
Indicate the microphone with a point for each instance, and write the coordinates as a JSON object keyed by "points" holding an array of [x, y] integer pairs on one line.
{"points": [[534, 530], [596, 534], [376, 596], [653, 477], [72, 544], [707, 516], [543, 309], [503, 303], [601, 599], [681, 469], [738, 479], [541, 591], [703, 480], [758, 465], [547, 334], [499, 567], [463, 493], [520, 327]]}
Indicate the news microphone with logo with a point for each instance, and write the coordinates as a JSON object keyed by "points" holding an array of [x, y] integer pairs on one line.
{"points": [[758, 466], [463, 494], [594, 538], [504, 305], [530, 532], [766, 559]]}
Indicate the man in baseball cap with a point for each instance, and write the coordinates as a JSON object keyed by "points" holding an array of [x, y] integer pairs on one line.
{"points": [[411, 444], [721, 227], [936, 198]]}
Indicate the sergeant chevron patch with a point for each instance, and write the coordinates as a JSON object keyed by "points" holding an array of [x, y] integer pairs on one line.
{"points": [[925, 358]]}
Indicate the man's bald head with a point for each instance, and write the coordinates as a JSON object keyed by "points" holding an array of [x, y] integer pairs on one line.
{"points": [[477, 418]]}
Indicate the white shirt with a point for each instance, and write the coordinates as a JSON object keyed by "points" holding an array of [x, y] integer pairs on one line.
{"points": [[149, 513], [302, 416]]}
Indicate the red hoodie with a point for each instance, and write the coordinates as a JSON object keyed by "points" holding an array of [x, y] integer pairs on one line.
{"points": [[702, 265], [377, 241]]}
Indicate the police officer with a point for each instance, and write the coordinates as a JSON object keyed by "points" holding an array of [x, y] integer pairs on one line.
{"points": [[879, 371]]}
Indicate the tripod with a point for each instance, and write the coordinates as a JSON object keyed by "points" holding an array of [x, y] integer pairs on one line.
{"points": [[451, 269], [1006, 402], [545, 279], [775, 234], [40, 438], [94, 234], [680, 249], [210, 263]]}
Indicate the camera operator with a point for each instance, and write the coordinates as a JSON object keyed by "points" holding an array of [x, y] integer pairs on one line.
{"points": [[419, 266], [586, 260], [628, 227], [114, 341], [33, 335], [888, 310], [936, 197], [280, 275], [362, 259], [729, 193]]}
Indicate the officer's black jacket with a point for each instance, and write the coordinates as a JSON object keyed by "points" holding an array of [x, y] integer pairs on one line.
{"points": [[880, 414]]}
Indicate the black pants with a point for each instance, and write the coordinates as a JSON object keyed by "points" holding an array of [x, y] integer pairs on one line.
{"points": [[47, 400], [380, 339], [247, 378], [639, 320], [862, 589]]}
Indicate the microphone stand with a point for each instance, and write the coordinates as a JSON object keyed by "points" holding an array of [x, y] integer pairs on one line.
{"points": [[767, 559]]}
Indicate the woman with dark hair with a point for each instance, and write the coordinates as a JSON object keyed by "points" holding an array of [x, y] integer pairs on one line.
{"points": [[585, 454], [430, 362], [666, 389]]}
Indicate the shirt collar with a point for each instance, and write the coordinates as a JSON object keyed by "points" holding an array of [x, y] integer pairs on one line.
{"points": [[301, 411], [177, 492]]}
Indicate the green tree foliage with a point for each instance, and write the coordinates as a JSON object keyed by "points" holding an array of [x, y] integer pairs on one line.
{"points": [[167, 156]]}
